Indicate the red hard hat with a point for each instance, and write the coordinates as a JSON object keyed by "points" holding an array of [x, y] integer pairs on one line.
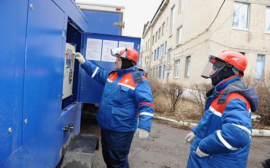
{"points": [[132, 54], [238, 60]]}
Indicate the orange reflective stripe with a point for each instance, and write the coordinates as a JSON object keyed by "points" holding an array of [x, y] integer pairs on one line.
{"points": [[112, 76]]}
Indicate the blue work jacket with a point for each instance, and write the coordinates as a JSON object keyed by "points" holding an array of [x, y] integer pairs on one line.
{"points": [[224, 132], [127, 95]]}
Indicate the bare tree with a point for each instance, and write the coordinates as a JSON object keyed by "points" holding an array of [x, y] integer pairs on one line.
{"points": [[199, 93], [173, 92]]}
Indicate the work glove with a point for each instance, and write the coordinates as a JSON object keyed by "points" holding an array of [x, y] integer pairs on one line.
{"points": [[190, 137], [200, 153], [143, 134], [79, 57]]}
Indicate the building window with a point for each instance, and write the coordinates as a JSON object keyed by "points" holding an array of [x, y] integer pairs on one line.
{"points": [[167, 23], [267, 20], [159, 72], [163, 75], [169, 56], [145, 59], [161, 50], [176, 68], [180, 5], [171, 21], [156, 72], [157, 53], [179, 36], [159, 31], [259, 66], [163, 27], [165, 47], [156, 36], [187, 67], [240, 15], [146, 46]]}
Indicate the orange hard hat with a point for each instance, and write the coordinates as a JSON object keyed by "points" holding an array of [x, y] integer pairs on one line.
{"points": [[128, 53], [236, 59]]}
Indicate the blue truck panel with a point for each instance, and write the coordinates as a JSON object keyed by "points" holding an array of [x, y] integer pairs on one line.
{"points": [[72, 10], [91, 91], [45, 149], [103, 22], [32, 50], [42, 84], [32, 45], [12, 45]]}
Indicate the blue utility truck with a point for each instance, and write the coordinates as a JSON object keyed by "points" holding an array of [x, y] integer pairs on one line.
{"points": [[42, 86]]}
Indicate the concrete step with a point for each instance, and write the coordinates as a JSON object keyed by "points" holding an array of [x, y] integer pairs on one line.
{"points": [[80, 152]]}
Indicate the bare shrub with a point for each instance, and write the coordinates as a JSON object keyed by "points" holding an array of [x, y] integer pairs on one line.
{"points": [[159, 99], [263, 89], [199, 91], [156, 87], [264, 106], [172, 93], [161, 105]]}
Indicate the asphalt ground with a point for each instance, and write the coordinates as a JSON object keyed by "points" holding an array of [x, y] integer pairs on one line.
{"points": [[166, 148]]}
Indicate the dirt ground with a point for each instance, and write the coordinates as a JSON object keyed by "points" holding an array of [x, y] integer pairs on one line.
{"points": [[165, 148]]}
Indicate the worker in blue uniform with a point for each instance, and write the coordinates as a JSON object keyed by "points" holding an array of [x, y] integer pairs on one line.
{"points": [[222, 137], [126, 97]]}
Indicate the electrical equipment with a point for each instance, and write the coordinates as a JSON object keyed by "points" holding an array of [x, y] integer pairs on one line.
{"points": [[68, 71]]}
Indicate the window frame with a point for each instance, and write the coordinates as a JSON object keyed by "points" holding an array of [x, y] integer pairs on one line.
{"points": [[267, 19], [187, 66], [163, 27], [177, 68], [165, 48], [180, 6], [179, 36], [157, 53], [172, 20], [169, 56], [161, 50], [261, 68], [163, 74], [247, 16]]}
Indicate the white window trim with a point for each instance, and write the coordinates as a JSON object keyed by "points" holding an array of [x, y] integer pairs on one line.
{"points": [[172, 20], [175, 65], [267, 18], [248, 10], [179, 36], [187, 69]]}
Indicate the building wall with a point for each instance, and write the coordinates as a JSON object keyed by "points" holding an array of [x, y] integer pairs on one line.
{"points": [[207, 29]]}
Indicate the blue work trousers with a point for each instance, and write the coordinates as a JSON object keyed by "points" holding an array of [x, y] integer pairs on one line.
{"points": [[115, 148]]}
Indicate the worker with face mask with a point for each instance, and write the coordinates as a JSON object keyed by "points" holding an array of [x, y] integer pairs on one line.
{"points": [[222, 137], [126, 97]]}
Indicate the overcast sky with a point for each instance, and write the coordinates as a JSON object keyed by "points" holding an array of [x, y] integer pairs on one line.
{"points": [[137, 13]]}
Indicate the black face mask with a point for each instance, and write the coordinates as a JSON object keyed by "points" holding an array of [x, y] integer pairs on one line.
{"points": [[225, 73], [126, 63]]}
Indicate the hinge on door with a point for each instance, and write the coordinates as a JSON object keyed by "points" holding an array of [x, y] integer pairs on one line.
{"points": [[121, 24], [63, 34]]}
